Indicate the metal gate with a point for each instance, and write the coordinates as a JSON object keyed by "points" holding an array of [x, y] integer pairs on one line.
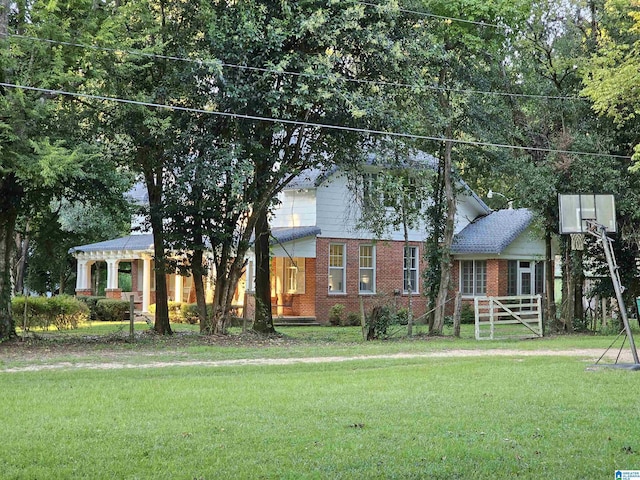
{"points": [[508, 317]]}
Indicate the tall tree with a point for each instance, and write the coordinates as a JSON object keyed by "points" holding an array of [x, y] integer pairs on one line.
{"points": [[312, 51], [140, 38], [470, 52], [394, 197], [612, 75], [42, 157]]}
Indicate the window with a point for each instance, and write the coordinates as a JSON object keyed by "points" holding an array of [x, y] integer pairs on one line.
{"points": [[410, 270], [473, 277], [525, 277], [367, 269], [337, 268], [294, 275], [250, 276]]}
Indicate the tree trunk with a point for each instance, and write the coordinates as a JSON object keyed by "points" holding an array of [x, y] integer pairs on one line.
{"points": [[445, 259], [550, 286], [22, 248], [568, 290], [7, 239], [436, 232], [263, 320], [154, 189], [198, 270]]}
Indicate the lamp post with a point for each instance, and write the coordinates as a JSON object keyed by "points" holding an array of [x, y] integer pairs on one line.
{"points": [[491, 193]]}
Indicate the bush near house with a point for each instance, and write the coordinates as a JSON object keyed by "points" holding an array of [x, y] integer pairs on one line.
{"points": [[467, 314], [91, 301], [63, 312], [111, 310], [336, 314], [189, 312]]}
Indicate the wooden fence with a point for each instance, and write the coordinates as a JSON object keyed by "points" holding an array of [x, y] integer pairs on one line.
{"points": [[508, 317]]}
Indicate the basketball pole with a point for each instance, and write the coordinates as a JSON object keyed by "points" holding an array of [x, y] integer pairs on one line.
{"points": [[601, 231]]}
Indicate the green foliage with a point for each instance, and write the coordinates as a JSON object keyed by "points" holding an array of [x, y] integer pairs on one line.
{"points": [[336, 314], [91, 302], [175, 312], [111, 310], [381, 319], [352, 320], [62, 311], [467, 314], [189, 313]]}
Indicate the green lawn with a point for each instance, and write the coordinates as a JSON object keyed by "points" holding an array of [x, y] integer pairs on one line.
{"points": [[484, 417]]}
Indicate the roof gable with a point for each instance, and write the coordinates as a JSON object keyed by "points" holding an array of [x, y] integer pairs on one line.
{"points": [[493, 233], [130, 242]]}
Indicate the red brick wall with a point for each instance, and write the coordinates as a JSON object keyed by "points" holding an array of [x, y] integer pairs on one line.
{"points": [[115, 293], [389, 277], [496, 280]]}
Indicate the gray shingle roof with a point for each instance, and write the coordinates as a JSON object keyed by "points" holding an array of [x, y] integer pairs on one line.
{"points": [[130, 242], [145, 241], [289, 234], [492, 233]]}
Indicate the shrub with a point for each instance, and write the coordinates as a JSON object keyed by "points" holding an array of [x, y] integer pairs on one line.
{"points": [[112, 310], [62, 311], [91, 302], [336, 312], [467, 314], [402, 316], [189, 313], [381, 318], [175, 312], [352, 320]]}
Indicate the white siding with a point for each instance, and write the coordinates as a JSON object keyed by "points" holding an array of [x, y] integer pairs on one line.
{"points": [[332, 208], [304, 247], [527, 245], [297, 209], [338, 212]]}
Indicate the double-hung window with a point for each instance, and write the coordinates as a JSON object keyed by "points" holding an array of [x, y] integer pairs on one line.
{"points": [[410, 270], [337, 264], [473, 277], [367, 273]]}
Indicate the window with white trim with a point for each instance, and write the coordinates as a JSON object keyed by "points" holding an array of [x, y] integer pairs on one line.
{"points": [[410, 270], [294, 275], [337, 270], [250, 277], [473, 277], [367, 272]]}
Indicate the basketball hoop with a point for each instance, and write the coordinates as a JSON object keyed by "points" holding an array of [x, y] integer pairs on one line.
{"points": [[577, 241]]}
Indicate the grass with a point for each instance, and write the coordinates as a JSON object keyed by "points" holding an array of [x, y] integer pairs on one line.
{"points": [[487, 417], [481, 417]]}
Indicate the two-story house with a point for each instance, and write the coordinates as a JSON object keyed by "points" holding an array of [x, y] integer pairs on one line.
{"points": [[321, 257]]}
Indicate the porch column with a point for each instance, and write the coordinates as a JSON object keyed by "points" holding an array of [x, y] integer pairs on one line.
{"points": [[112, 290], [83, 278], [178, 288], [146, 283]]}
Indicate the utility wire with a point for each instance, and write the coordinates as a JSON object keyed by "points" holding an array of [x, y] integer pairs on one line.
{"points": [[440, 17], [298, 74], [305, 124]]}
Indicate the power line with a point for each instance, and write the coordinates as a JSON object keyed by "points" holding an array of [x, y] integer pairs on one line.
{"points": [[298, 74], [440, 17], [305, 124]]}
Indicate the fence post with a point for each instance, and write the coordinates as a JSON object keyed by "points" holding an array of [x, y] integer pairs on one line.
{"points": [[131, 334]]}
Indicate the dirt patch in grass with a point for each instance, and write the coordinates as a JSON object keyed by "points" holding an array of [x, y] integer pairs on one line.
{"points": [[59, 351]]}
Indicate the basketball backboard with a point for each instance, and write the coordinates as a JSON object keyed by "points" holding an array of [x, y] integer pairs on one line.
{"points": [[576, 210]]}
